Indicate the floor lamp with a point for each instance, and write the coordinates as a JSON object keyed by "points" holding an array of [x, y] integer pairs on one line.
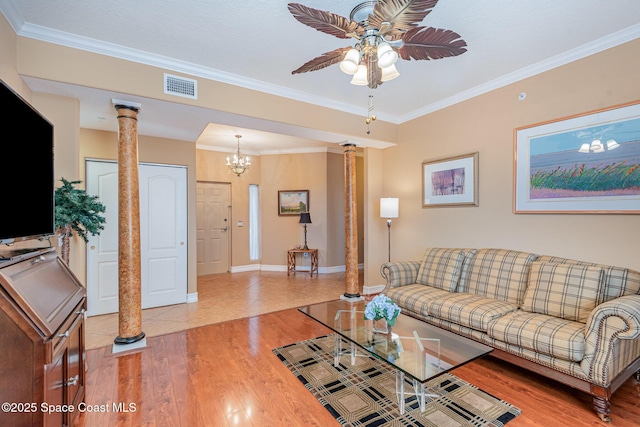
{"points": [[389, 209]]}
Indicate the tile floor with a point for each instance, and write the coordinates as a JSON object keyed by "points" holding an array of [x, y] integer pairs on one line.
{"points": [[224, 297]]}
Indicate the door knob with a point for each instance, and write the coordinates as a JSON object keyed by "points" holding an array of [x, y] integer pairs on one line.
{"points": [[225, 228]]}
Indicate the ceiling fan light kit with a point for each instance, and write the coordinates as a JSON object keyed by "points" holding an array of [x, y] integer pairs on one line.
{"points": [[385, 30]]}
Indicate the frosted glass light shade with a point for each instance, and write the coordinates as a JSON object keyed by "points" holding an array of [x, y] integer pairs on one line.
{"points": [[389, 73], [386, 55], [360, 77], [350, 62], [389, 207]]}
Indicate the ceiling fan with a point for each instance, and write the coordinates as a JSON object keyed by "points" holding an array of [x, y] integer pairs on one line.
{"points": [[385, 30]]}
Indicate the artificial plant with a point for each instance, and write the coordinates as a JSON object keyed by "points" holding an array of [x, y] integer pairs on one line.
{"points": [[76, 211]]}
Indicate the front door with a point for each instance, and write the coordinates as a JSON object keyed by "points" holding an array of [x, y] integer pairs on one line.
{"points": [[213, 228]]}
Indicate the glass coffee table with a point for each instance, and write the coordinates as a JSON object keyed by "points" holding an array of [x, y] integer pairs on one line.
{"points": [[412, 347]]}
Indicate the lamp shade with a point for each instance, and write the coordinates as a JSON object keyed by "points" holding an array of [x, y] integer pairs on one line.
{"points": [[386, 55], [360, 78], [305, 218], [350, 62], [389, 207], [389, 73]]}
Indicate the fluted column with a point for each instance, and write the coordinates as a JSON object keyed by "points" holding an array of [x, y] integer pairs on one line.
{"points": [[129, 272], [351, 223]]}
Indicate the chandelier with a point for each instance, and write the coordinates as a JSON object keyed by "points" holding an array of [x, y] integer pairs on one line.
{"points": [[239, 164]]}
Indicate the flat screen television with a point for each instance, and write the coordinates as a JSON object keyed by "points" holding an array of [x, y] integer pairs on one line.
{"points": [[26, 167]]}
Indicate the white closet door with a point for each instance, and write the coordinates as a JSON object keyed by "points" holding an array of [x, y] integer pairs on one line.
{"points": [[163, 237], [102, 251]]}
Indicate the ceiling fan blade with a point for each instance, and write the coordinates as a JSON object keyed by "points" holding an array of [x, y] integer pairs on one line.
{"points": [[401, 14], [423, 43], [323, 61], [324, 21]]}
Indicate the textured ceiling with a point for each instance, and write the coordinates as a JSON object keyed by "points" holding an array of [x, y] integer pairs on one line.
{"points": [[257, 44]]}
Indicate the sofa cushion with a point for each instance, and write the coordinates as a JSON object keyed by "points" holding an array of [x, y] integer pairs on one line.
{"points": [[567, 291], [497, 273], [414, 297], [544, 334], [468, 310], [441, 268], [616, 281]]}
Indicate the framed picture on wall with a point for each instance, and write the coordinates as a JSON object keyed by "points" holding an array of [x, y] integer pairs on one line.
{"points": [[451, 181], [293, 202], [587, 163]]}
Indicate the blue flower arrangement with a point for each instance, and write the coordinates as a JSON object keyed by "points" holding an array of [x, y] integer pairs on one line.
{"points": [[382, 307]]}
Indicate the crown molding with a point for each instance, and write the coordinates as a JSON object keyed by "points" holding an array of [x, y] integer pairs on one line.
{"points": [[121, 52], [13, 17], [103, 48], [604, 43]]}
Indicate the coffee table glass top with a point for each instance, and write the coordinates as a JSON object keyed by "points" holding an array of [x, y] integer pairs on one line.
{"points": [[421, 350]]}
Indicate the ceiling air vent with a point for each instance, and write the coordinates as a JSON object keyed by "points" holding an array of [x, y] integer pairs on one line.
{"points": [[180, 86]]}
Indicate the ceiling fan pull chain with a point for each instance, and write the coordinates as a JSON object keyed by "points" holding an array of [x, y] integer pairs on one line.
{"points": [[370, 117]]}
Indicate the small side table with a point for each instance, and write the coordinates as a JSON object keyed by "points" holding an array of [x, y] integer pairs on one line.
{"points": [[291, 260]]}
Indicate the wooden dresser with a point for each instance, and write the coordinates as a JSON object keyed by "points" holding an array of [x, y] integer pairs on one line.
{"points": [[42, 365]]}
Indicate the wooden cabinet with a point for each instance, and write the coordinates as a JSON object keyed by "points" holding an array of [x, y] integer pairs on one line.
{"points": [[42, 340], [64, 376]]}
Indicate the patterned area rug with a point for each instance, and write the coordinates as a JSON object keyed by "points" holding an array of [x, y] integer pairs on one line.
{"points": [[364, 394]]}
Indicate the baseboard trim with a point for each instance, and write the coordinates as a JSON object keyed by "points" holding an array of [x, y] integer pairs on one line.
{"points": [[370, 290], [192, 297], [283, 268], [243, 268]]}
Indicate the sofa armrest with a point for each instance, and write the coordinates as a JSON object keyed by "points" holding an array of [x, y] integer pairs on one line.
{"points": [[399, 273], [612, 336]]}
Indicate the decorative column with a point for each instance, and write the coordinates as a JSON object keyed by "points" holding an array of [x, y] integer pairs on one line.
{"points": [[351, 224], [129, 271]]}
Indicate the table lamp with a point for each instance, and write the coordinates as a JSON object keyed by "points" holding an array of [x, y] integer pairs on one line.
{"points": [[305, 218]]}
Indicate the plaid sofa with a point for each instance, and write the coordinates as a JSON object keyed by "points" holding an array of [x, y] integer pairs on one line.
{"points": [[572, 321]]}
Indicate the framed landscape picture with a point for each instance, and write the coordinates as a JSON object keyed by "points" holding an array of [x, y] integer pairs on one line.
{"points": [[452, 181], [588, 163], [293, 202]]}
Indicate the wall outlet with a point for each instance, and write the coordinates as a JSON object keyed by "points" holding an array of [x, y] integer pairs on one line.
{"points": [[240, 223]]}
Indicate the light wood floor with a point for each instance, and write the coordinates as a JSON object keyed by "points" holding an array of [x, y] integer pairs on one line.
{"points": [[225, 374], [224, 297]]}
